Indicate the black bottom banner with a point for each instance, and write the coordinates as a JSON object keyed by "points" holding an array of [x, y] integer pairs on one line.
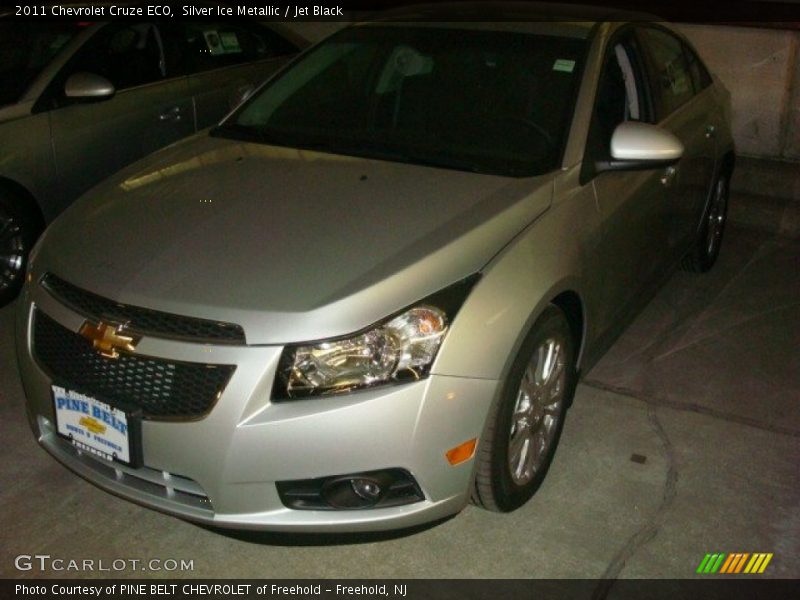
{"points": [[444, 589]]}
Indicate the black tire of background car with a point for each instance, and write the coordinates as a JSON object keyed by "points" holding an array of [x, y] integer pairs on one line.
{"points": [[17, 214], [699, 259], [493, 488]]}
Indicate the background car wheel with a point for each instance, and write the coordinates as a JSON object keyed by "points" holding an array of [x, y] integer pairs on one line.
{"points": [[525, 424], [706, 248], [19, 228]]}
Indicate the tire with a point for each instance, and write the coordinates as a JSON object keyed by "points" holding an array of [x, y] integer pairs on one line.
{"points": [[19, 228], [504, 480], [703, 254]]}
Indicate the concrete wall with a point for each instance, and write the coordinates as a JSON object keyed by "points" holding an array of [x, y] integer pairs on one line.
{"points": [[761, 69]]}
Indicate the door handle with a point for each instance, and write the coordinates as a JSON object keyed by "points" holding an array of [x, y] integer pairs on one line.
{"points": [[171, 114], [710, 132], [668, 176]]}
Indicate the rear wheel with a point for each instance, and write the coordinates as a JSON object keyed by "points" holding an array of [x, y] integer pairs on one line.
{"points": [[705, 251], [525, 424], [19, 228]]}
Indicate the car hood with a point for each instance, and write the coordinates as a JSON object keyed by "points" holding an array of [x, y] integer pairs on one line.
{"points": [[290, 244]]}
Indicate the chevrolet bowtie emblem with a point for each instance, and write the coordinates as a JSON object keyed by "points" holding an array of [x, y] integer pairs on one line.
{"points": [[106, 338], [93, 425]]}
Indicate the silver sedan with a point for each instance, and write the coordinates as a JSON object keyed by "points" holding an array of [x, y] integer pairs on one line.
{"points": [[364, 300]]}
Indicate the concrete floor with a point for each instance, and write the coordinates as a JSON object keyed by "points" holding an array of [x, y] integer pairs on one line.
{"points": [[705, 384]]}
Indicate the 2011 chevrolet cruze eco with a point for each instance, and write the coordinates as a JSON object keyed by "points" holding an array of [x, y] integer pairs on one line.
{"points": [[364, 299]]}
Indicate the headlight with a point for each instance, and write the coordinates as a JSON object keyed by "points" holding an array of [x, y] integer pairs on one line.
{"points": [[402, 348]]}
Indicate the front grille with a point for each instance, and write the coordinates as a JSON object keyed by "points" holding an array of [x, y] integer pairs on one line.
{"points": [[163, 389], [143, 321]]}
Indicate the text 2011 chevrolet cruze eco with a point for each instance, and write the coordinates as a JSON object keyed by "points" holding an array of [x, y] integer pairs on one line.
{"points": [[364, 299]]}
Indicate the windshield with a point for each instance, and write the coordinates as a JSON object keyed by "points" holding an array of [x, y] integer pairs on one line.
{"points": [[495, 102], [25, 49]]}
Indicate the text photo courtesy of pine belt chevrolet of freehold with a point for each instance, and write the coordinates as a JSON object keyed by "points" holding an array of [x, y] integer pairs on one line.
{"points": [[364, 299]]}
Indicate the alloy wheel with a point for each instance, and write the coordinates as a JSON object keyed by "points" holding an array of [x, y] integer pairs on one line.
{"points": [[13, 250], [537, 411], [716, 217]]}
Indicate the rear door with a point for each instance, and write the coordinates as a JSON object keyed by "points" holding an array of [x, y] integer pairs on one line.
{"points": [[227, 58], [152, 106], [684, 105]]}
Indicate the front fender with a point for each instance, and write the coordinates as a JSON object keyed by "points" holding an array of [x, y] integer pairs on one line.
{"points": [[515, 287]]}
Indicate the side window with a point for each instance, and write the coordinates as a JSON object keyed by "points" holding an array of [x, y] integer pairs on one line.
{"points": [[671, 77], [128, 54], [213, 45], [620, 96], [701, 78]]}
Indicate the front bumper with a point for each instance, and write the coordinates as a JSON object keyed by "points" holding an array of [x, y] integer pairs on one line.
{"points": [[221, 470]]}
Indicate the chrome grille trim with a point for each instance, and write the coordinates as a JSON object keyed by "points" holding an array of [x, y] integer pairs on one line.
{"points": [[160, 486], [143, 321]]}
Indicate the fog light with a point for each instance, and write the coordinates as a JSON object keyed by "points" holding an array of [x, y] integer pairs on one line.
{"points": [[367, 489], [353, 492], [371, 489]]}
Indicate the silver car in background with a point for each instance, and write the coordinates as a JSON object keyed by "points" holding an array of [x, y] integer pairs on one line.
{"points": [[364, 300], [79, 101]]}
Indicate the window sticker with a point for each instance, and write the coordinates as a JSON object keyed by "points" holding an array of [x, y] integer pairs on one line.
{"points": [[213, 42], [564, 65], [222, 42], [230, 42]]}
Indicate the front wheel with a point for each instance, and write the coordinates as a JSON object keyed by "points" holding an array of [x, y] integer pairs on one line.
{"points": [[18, 232], [525, 424]]}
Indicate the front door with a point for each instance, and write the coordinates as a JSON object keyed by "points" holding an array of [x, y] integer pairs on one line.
{"points": [[150, 109], [629, 250]]}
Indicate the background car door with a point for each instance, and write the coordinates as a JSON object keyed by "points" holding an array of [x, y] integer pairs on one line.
{"points": [[152, 106], [633, 233], [226, 58], [684, 105]]}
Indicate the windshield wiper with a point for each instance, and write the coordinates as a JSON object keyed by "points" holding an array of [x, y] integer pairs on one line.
{"points": [[448, 162], [254, 134], [238, 132], [350, 147]]}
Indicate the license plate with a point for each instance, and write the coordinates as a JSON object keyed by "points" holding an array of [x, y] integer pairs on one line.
{"points": [[95, 426]]}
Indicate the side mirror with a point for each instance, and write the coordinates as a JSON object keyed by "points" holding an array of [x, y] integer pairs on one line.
{"points": [[88, 86], [639, 146]]}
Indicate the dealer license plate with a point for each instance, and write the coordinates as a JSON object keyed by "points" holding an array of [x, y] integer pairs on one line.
{"points": [[93, 425]]}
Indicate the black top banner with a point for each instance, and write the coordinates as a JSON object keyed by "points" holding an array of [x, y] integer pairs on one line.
{"points": [[782, 13]]}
